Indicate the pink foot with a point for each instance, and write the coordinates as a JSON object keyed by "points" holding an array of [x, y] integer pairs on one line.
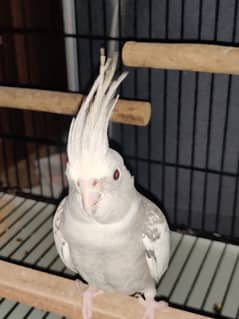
{"points": [[150, 306], [87, 298]]}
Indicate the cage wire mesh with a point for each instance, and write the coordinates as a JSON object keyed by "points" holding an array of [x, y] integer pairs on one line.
{"points": [[187, 159]]}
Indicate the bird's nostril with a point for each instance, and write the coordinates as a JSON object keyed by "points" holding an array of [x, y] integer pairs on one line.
{"points": [[94, 182]]}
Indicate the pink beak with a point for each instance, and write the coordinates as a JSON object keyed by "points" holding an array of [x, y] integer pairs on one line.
{"points": [[89, 195]]}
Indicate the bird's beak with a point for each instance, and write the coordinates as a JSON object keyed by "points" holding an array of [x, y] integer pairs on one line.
{"points": [[90, 196]]}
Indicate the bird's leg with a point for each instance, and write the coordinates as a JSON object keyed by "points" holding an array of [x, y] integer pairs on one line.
{"points": [[87, 298], [150, 304]]}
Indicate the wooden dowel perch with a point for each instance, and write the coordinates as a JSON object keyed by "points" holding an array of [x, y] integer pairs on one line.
{"points": [[62, 296], [190, 57], [126, 111]]}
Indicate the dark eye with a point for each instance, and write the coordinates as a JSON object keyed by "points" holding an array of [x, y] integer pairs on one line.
{"points": [[116, 174]]}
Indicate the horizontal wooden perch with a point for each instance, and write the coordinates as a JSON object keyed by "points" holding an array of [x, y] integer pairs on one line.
{"points": [[178, 56], [62, 296], [126, 111]]}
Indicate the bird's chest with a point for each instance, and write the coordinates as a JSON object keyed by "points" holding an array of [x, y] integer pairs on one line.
{"points": [[108, 258], [111, 269]]}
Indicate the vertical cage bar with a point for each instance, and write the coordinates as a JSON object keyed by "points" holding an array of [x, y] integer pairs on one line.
{"points": [[48, 154], [69, 12], [29, 77], [5, 168], [136, 141], [209, 128], [3, 65], [90, 36], [77, 44], [26, 43], [37, 154], [14, 150], [61, 169], [50, 171], [4, 152], [225, 129], [104, 25], [235, 204], [150, 30], [195, 111], [226, 123], [178, 124], [120, 66], [165, 81], [28, 166]]}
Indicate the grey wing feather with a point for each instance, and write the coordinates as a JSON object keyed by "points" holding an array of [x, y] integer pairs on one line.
{"points": [[156, 239], [62, 246]]}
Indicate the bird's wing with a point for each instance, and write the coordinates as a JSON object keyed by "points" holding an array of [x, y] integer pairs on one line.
{"points": [[156, 239], [61, 244]]}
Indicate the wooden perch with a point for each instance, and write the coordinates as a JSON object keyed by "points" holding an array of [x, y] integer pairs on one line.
{"points": [[126, 111], [62, 296], [178, 56]]}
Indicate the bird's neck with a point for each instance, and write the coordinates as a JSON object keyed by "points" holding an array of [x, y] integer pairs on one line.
{"points": [[130, 203]]}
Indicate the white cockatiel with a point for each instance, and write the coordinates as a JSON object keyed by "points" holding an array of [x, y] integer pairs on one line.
{"points": [[105, 230]]}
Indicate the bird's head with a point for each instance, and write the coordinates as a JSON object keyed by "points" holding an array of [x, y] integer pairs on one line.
{"points": [[96, 173]]}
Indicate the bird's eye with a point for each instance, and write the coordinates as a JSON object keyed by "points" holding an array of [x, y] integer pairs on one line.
{"points": [[116, 174]]}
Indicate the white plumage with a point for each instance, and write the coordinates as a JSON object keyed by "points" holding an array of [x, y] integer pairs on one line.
{"points": [[105, 230]]}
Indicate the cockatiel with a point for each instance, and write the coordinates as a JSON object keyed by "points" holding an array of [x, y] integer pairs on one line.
{"points": [[105, 230]]}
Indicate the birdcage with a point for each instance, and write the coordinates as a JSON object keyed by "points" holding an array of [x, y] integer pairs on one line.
{"points": [[182, 59]]}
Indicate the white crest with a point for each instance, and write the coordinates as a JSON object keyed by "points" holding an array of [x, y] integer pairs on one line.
{"points": [[88, 132]]}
